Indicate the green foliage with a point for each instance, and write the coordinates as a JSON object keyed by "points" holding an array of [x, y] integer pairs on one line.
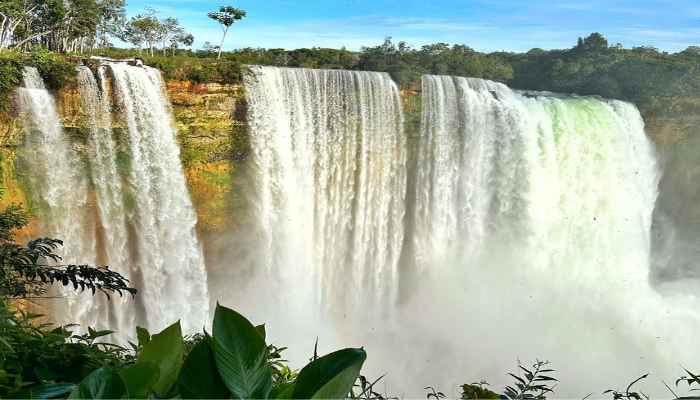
{"points": [[26, 271], [365, 389], [628, 394], [199, 377], [434, 394], [103, 383], [331, 376], [477, 390], [197, 70], [166, 350], [534, 384], [692, 380], [36, 357], [241, 355], [234, 361], [140, 378], [406, 64], [10, 75], [48, 391], [56, 72], [226, 16], [593, 66]]}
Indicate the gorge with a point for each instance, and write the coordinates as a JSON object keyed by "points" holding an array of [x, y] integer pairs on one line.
{"points": [[454, 240]]}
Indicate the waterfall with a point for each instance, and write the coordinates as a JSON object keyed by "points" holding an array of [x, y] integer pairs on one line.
{"points": [[329, 157], [168, 259], [145, 219], [516, 226], [107, 183], [55, 178], [533, 217], [496, 166]]}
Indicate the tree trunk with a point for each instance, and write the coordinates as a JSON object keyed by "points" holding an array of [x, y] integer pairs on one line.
{"points": [[221, 46], [18, 45]]}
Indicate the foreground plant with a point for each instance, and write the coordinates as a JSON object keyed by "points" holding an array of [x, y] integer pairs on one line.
{"points": [[28, 271], [35, 360], [233, 362]]}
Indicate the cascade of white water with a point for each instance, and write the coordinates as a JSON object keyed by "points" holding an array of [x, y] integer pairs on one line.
{"points": [[329, 157], [168, 265], [533, 217], [56, 179], [107, 183], [543, 172]]}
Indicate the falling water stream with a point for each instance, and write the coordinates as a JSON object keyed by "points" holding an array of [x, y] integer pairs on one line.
{"points": [[145, 216], [330, 158]]}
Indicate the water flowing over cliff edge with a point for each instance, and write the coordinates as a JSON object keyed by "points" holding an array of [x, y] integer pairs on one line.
{"points": [[145, 225], [510, 225]]}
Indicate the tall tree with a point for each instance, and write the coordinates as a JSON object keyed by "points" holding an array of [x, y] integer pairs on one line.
{"points": [[172, 33], [143, 28], [11, 14], [226, 16], [113, 14]]}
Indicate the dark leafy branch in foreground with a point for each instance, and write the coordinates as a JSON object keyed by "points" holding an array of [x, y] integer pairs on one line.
{"points": [[25, 273], [29, 271]]}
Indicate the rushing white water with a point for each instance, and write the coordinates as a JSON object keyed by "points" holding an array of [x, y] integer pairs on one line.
{"points": [[329, 156], [528, 235], [168, 264], [540, 174], [107, 183], [145, 218], [533, 218], [56, 178]]}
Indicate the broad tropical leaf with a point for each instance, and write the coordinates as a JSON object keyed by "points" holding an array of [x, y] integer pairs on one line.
{"points": [[102, 383], [166, 350], [241, 355], [331, 376], [261, 330], [283, 392], [199, 378], [47, 391], [140, 378]]}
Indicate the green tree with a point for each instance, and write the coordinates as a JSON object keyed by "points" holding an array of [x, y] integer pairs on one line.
{"points": [[226, 16], [172, 33], [11, 14], [143, 27]]}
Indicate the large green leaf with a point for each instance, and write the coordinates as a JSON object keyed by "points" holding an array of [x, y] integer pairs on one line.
{"points": [[140, 378], [102, 383], [42, 391], [331, 376], [166, 350], [241, 355], [199, 378]]}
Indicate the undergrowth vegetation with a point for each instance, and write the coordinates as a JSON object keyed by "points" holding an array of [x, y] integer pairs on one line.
{"points": [[56, 71]]}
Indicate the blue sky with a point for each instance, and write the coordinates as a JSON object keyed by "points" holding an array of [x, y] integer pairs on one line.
{"points": [[485, 25]]}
